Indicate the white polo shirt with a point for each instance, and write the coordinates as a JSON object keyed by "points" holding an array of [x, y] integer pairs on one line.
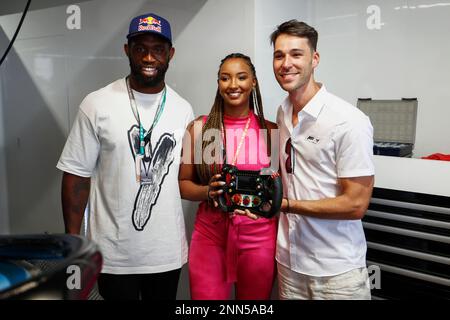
{"points": [[333, 139]]}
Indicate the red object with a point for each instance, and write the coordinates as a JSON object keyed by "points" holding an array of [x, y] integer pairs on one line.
{"points": [[237, 198], [438, 156], [246, 200]]}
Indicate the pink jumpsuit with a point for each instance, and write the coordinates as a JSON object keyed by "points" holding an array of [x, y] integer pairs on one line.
{"points": [[226, 250]]}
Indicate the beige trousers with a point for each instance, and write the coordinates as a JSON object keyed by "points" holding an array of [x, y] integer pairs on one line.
{"points": [[351, 285]]}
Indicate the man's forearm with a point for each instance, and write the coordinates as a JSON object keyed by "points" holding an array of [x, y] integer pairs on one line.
{"points": [[331, 208], [74, 196], [351, 204]]}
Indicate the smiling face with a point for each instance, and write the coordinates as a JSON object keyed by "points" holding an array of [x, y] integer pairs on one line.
{"points": [[236, 82], [149, 57], [294, 62]]}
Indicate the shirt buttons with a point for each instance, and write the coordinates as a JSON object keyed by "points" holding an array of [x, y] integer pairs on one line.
{"points": [[291, 225]]}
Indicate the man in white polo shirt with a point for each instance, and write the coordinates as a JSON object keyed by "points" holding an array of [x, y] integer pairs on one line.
{"points": [[328, 174]]}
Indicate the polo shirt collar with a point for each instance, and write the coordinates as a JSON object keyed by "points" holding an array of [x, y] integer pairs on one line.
{"points": [[316, 104], [313, 107]]}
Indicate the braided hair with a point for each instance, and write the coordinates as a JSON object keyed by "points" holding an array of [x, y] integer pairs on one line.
{"points": [[215, 120]]}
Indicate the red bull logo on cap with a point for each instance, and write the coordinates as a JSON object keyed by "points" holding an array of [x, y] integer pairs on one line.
{"points": [[149, 23]]}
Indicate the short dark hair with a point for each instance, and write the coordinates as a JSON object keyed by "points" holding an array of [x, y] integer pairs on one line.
{"points": [[296, 28]]}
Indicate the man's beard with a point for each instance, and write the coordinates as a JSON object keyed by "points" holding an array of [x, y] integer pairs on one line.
{"points": [[149, 81]]}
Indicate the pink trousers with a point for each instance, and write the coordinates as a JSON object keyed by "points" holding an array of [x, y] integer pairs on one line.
{"points": [[226, 250]]}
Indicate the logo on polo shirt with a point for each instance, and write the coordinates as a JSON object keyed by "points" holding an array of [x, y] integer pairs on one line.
{"points": [[312, 139]]}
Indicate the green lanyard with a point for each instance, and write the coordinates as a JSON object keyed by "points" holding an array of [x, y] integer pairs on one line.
{"points": [[134, 108]]}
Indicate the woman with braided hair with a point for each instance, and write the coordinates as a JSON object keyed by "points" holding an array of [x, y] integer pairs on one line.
{"points": [[228, 249]]}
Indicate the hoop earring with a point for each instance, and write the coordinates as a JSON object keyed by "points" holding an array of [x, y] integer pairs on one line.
{"points": [[255, 100]]}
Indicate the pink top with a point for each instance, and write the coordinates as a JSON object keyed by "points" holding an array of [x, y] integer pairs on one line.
{"points": [[253, 153], [252, 156]]}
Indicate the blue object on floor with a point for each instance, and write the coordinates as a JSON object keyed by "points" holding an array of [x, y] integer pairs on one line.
{"points": [[12, 274]]}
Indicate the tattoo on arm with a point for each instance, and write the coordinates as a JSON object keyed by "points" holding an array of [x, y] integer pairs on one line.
{"points": [[74, 196]]}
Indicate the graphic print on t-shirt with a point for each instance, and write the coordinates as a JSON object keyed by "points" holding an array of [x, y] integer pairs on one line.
{"points": [[154, 167]]}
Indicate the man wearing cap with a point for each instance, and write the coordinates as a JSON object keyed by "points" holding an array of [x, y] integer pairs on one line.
{"points": [[122, 155]]}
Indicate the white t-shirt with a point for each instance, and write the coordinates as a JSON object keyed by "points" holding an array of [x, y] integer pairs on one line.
{"points": [[139, 229], [332, 140]]}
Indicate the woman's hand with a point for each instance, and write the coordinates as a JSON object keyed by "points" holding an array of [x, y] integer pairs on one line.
{"points": [[247, 213], [215, 189]]}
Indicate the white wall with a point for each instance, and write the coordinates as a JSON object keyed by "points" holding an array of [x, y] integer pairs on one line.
{"points": [[217, 30], [406, 57], [414, 175], [4, 216]]}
